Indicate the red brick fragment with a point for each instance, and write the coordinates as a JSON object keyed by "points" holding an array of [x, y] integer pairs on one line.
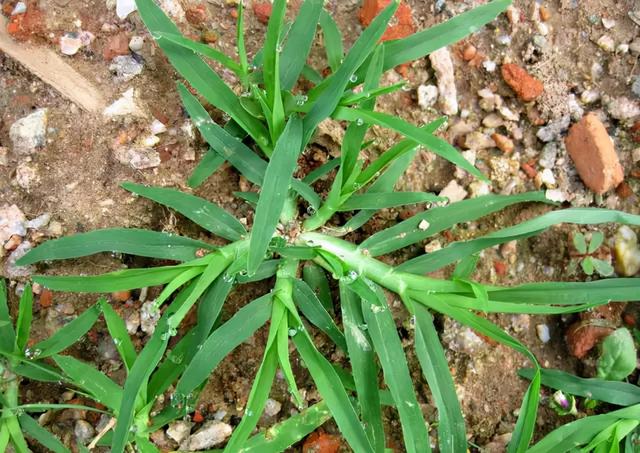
{"points": [[527, 87], [262, 10], [319, 442], [402, 20], [116, 45], [23, 26], [593, 154]]}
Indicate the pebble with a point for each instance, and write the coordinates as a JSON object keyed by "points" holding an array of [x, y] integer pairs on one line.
{"points": [[12, 270], [593, 154], [20, 8], [460, 338], [4, 156], [504, 143], [29, 133], [622, 48], [526, 87], [554, 129], [606, 43], [427, 96], [157, 127], [575, 110], [12, 222], [492, 121], [70, 43], [477, 140], [173, 9], [125, 106], [136, 43], [179, 431], [608, 23], [543, 332], [547, 178], [556, 195], [211, 434], [443, 67], [469, 52], [635, 87], [26, 175], [623, 108], [589, 96], [634, 46], [124, 8], [83, 431], [479, 188], [635, 155], [125, 67], [453, 191], [149, 317], [507, 113], [489, 101], [470, 156], [132, 322], [626, 252], [489, 65], [548, 155], [272, 407]]}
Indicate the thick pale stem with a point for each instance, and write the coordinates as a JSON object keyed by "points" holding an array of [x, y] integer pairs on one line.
{"points": [[321, 217], [384, 275]]}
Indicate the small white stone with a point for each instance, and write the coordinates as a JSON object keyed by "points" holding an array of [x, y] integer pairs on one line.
{"points": [[12, 222], [606, 43], [608, 23], [70, 44], [272, 407], [443, 67], [589, 96], [149, 317], [136, 43], [556, 195], [622, 48], [543, 28], [139, 158], [211, 434], [150, 141], [124, 8], [179, 431], [427, 96], [547, 178], [125, 106], [433, 246], [479, 188], [454, 192], [29, 132], [489, 65], [635, 155], [157, 127], [20, 8], [26, 175], [423, 225], [543, 333]]}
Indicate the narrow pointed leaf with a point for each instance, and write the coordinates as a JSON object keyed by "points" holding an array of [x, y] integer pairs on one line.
{"points": [[332, 40], [25, 315], [118, 332], [387, 200], [33, 429], [7, 333], [208, 165]]}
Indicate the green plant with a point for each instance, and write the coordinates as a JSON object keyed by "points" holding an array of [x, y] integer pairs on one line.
{"points": [[616, 430], [585, 255], [270, 124], [18, 361]]}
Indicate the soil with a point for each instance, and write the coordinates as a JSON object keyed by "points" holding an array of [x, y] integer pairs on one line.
{"points": [[77, 179]]}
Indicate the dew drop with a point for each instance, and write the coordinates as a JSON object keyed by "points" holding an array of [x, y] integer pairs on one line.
{"points": [[353, 78], [359, 122]]}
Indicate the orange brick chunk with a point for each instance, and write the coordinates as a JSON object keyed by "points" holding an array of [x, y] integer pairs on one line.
{"points": [[593, 154], [527, 87]]}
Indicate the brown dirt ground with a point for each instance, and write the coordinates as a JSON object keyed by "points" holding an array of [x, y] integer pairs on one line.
{"points": [[79, 178]]}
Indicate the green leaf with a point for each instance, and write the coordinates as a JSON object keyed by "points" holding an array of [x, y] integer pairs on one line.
{"points": [[597, 238], [222, 341], [112, 281], [322, 170], [274, 192], [613, 392], [300, 37], [271, 69], [433, 143], [7, 334], [286, 433], [198, 73], [117, 240], [335, 85], [84, 376], [332, 40], [25, 315], [420, 44], [451, 426], [429, 223], [18, 440], [579, 242], [466, 267], [602, 267], [203, 49], [206, 214], [363, 364], [526, 423], [458, 250], [587, 265], [387, 200], [618, 358], [37, 371], [67, 335], [144, 365], [314, 276], [33, 429], [257, 400], [208, 165], [118, 332], [329, 386], [314, 311], [387, 345]]}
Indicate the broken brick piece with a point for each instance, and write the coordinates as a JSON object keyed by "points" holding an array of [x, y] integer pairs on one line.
{"points": [[593, 154], [527, 87], [402, 20]]}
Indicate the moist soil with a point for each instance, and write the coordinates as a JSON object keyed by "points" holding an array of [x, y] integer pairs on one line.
{"points": [[77, 176]]}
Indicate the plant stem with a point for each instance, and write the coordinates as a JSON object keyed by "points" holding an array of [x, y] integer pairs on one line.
{"points": [[321, 217], [375, 270]]}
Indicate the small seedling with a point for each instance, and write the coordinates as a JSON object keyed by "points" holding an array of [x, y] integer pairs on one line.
{"points": [[586, 254]]}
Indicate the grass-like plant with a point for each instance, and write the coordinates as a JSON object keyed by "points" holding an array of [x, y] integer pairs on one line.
{"points": [[269, 125]]}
